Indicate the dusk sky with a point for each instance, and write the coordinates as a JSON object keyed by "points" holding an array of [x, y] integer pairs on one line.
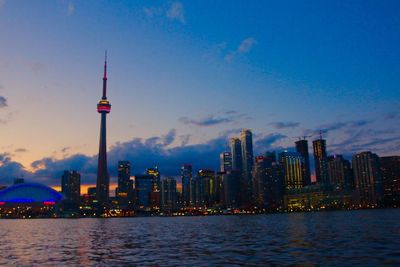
{"points": [[184, 76]]}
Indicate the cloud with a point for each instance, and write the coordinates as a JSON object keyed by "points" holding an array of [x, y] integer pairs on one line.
{"points": [[142, 153], [211, 120], [176, 12], [244, 47], [169, 138], [349, 126], [21, 150], [7, 118], [173, 12], [3, 102], [35, 66], [152, 11], [70, 8], [391, 115], [284, 124], [185, 139], [9, 169], [267, 141], [65, 149], [157, 150]]}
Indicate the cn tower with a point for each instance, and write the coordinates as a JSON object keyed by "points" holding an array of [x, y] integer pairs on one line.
{"points": [[103, 178]]}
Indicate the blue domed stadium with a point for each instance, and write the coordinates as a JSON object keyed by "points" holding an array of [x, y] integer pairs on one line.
{"points": [[29, 193]]}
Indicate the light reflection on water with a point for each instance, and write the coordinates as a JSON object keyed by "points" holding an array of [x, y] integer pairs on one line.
{"points": [[370, 237]]}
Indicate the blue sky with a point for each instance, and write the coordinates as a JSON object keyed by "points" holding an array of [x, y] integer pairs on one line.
{"points": [[184, 76]]}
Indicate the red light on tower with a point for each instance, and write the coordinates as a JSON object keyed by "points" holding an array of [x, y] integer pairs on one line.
{"points": [[103, 106]]}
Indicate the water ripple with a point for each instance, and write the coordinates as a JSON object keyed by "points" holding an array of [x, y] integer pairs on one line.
{"points": [[370, 237]]}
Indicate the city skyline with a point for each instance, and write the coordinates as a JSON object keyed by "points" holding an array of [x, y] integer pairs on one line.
{"points": [[147, 128]]}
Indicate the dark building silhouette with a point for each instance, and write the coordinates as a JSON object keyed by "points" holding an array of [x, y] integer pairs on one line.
{"points": [[274, 188], [259, 183], [302, 148], [270, 156], [103, 178], [71, 189], [143, 189], [246, 138], [390, 171], [168, 194], [124, 191], [236, 152], [339, 173], [267, 182], [187, 185], [367, 178], [205, 188], [231, 188], [320, 158]]}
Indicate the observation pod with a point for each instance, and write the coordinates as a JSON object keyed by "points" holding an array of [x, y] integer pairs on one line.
{"points": [[103, 106]]}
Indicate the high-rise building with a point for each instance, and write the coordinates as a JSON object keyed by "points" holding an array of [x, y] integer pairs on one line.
{"points": [[168, 194], [246, 138], [320, 158], [390, 170], [259, 175], [225, 161], [103, 178], [290, 164], [155, 196], [71, 189], [302, 148], [143, 189], [187, 185], [367, 178], [231, 189], [270, 156], [205, 188], [339, 173], [236, 153], [124, 191], [156, 177], [274, 187]]}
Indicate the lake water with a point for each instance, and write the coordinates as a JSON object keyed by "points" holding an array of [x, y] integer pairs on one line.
{"points": [[366, 237]]}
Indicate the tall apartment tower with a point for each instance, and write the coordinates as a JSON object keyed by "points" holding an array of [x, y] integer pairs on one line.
{"points": [[320, 157], [291, 166], [390, 170], [367, 178], [187, 185], [246, 138], [236, 152], [302, 149], [71, 189], [124, 191], [339, 173]]}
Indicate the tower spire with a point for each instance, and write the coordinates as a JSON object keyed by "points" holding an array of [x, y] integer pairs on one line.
{"points": [[105, 77]]}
